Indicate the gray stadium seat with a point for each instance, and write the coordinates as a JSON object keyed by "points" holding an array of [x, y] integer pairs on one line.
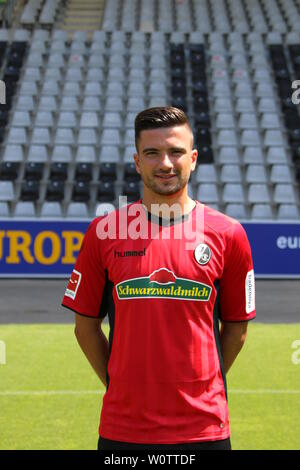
{"points": [[91, 103], [225, 121], [109, 153], [228, 155], [253, 155], [227, 138], [71, 89], [17, 135], [53, 74], [110, 137], [250, 138], [64, 136], [6, 191], [28, 88], [206, 173], [13, 153], [237, 211], [37, 153], [47, 103], [261, 211], [61, 153], [130, 150], [24, 209], [114, 104], [258, 193], [21, 118], [77, 210], [4, 209], [284, 193], [41, 136], [270, 121], [245, 105], [233, 192], [86, 153], [280, 174], [248, 121], [104, 208], [288, 212], [273, 138], [230, 174], [207, 193], [92, 89], [276, 155], [69, 103], [89, 119], [87, 136], [111, 120], [50, 88], [256, 174], [44, 119], [67, 119], [51, 209], [114, 88]]}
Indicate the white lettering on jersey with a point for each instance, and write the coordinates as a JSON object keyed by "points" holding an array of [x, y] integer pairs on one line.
{"points": [[250, 292]]}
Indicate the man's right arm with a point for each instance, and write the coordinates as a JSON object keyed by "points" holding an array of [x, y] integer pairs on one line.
{"points": [[93, 343]]}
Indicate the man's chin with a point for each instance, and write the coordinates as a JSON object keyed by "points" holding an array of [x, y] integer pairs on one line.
{"points": [[166, 191]]}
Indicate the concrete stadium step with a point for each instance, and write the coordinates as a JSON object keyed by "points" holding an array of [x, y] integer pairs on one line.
{"points": [[84, 16]]}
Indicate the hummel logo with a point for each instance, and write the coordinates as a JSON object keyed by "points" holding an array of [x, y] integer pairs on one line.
{"points": [[124, 254]]}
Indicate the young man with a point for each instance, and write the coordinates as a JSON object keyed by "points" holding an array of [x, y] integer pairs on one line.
{"points": [[166, 269]]}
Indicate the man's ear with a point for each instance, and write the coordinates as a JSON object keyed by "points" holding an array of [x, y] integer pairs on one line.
{"points": [[137, 162], [194, 159]]}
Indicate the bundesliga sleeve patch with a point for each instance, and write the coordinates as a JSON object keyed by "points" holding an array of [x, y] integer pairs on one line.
{"points": [[250, 292], [73, 284]]}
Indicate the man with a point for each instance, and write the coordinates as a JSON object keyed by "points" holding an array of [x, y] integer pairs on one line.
{"points": [[165, 278]]}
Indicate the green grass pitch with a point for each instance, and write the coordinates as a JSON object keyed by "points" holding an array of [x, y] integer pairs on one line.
{"points": [[49, 398]]}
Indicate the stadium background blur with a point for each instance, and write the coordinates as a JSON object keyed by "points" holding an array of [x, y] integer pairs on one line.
{"points": [[76, 74]]}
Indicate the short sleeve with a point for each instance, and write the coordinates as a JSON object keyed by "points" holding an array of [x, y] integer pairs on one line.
{"points": [[237, 285], [86, 285]]}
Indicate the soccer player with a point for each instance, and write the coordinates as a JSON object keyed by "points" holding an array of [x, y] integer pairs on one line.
{"points": [[176, 280]]}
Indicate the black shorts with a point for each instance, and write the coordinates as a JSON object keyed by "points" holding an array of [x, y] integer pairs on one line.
{"points": [[106, 444]]}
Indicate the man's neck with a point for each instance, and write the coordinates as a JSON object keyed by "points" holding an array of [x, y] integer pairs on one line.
{"points": [[168, 207]]}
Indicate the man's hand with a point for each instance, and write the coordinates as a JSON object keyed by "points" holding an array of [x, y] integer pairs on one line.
{"points": [[93, 343]]}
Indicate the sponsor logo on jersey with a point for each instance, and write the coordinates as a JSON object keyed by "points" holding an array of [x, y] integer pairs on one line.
{"points": [[250, 292], [202, 254], [163, 284], [73, 284], [125, 254]]}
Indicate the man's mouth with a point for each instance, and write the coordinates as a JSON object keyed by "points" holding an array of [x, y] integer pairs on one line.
{"points": [[165, 177]]}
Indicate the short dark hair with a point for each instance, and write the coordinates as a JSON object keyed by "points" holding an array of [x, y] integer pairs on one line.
{"points": [[154, 118]]}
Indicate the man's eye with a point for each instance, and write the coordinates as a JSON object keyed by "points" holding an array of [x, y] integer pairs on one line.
{"points": [[151, 154]]}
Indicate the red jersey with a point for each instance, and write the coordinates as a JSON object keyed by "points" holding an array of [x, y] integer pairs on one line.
{"points": [[164, 294]]}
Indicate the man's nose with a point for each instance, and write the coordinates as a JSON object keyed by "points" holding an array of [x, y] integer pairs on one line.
{"points": [[165, 161]]}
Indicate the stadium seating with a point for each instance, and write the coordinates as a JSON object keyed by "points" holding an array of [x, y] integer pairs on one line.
{"points": [[73, 90]]}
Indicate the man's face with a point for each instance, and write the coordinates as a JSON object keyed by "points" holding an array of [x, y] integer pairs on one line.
{"points": [[166, 158]]}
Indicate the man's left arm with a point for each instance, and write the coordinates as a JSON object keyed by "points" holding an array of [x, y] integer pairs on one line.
{"points": [[233, 336]]}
